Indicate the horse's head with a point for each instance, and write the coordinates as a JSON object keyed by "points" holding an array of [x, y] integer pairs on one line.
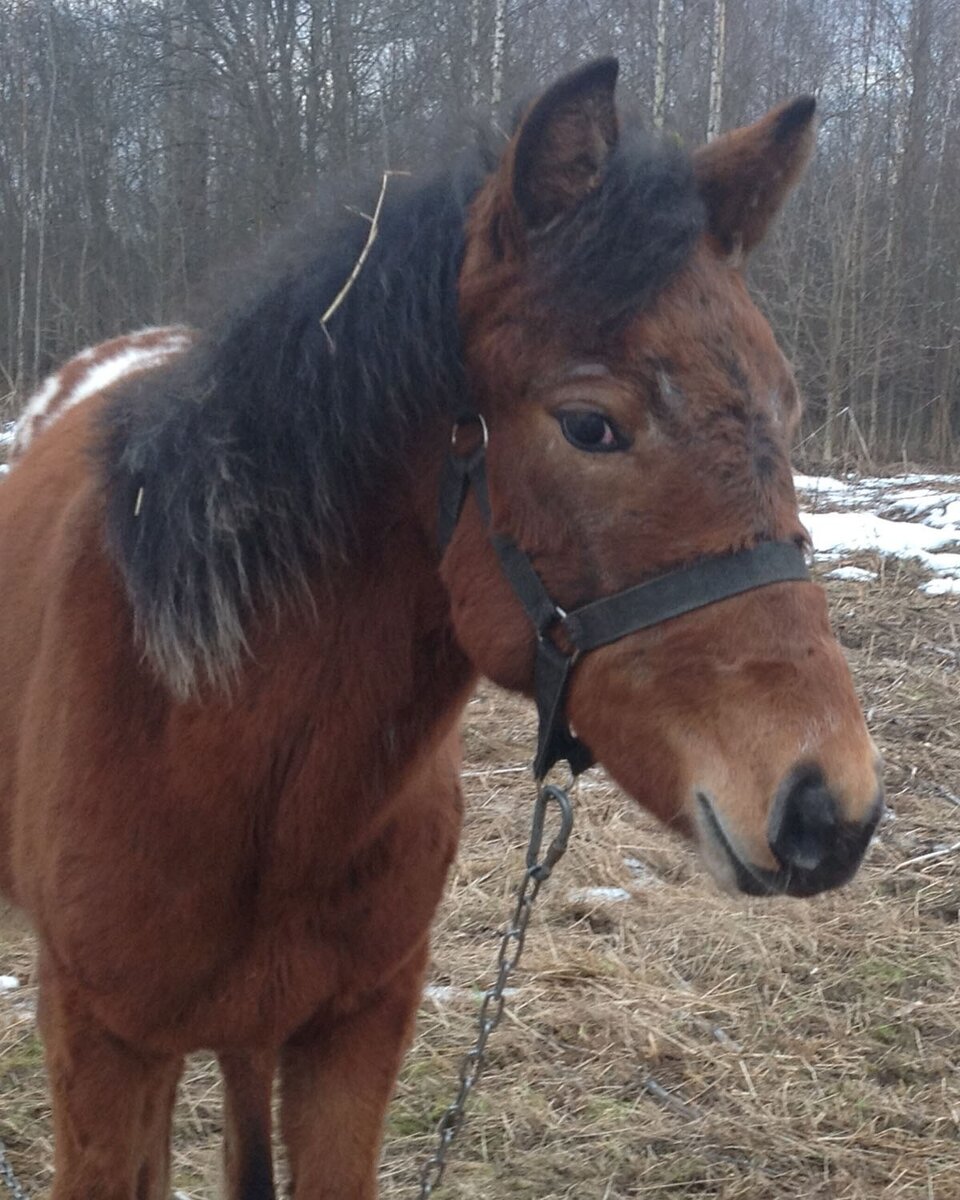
{"points": [[639, 415]]}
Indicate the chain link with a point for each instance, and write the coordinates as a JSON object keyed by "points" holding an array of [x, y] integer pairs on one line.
{"points": [[511, 948], [8, 1176]]}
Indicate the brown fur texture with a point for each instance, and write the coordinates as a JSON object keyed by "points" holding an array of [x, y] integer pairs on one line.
{"points": [[255, 871]]}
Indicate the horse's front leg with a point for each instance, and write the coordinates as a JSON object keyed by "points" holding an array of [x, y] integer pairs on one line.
{"points": [[112, 1105], [336, 1083], [248, 1158]]}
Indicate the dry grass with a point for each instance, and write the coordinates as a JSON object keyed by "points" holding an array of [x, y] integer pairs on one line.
{"points": [[680, 1043]]}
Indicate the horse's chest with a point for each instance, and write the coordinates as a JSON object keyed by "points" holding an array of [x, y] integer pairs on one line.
{"points": [[215, 964]]}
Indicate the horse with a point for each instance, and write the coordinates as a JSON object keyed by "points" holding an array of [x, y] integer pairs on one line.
{"points": [[241, 613]]}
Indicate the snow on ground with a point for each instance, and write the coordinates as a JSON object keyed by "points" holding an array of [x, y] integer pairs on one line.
{"points": [[597, 895], [854, 574], [912, 516]]}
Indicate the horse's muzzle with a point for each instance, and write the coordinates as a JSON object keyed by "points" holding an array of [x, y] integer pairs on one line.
{"points": [[816, 848]]}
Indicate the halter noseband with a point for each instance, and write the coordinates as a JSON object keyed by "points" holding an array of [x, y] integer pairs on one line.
{"points": [[602, 621]]}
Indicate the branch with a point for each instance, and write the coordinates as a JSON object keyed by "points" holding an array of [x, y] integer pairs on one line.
{"points": [[358, 265]]}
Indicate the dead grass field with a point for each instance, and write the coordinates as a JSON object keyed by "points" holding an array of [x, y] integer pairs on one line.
{"points": [[676, 1043]]}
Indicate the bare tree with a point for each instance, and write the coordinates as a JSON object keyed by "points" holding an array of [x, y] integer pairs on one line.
{"points": [[660, 69], [718, 41], [142, 144]]}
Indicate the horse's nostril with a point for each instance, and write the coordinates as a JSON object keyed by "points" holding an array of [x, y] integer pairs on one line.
{"points": [[805, 821]]}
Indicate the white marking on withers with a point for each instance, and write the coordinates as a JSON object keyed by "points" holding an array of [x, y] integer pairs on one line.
{"points": [[93, 371], [104, 374], [35, 408]]}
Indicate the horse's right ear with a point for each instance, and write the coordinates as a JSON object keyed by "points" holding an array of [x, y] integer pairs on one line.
{"points": [[564, 140], [745, 176]]}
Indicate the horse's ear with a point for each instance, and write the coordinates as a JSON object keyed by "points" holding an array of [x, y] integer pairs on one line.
{"points": [[563, 142], [745, 176]]}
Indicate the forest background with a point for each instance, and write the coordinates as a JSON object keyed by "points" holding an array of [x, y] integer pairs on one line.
{"points": [[146, 143]]}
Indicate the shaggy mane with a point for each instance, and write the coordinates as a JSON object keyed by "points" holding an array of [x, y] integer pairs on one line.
{"points": [[244, 465]]}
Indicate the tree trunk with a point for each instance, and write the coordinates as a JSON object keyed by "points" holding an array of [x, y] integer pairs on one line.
{"points": [[660, 68], [498, 53], [717, 55]]}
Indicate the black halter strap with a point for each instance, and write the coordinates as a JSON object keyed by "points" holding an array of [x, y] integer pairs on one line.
{"points": [[605, 620]]}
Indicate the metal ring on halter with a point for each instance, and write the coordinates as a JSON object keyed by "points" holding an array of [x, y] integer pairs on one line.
{"points": [[466, 419]]}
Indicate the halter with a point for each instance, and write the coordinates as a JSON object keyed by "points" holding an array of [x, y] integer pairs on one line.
{"points": [[602, 621]]}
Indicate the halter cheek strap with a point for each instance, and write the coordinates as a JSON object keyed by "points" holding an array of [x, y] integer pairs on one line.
{"points": [[605, 620]]}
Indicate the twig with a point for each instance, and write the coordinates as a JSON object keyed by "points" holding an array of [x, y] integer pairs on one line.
{"points": [[910, 862], [495, 771], [358, 265]]}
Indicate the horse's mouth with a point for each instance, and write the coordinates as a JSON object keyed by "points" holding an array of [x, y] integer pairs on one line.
{"points": [[734, 872]]}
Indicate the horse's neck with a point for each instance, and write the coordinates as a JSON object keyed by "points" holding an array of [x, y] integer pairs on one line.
{"points": [[371, 669]]}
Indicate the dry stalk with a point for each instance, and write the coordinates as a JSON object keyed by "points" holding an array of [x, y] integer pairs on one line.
{"points": [[922, 858], [358, 265]]}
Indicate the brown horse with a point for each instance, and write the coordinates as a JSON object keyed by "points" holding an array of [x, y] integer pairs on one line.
{"points": [[235, 660]]}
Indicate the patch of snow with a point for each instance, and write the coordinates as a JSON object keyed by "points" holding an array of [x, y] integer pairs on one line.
{"points": [[908, 516], [946, 480], [941, 587], [444, 993], [857, 574], [822, 485], [642, 873], [864, 530], [876, 489], [940, 509], [9, 983], [836, 533], [598, 895]]}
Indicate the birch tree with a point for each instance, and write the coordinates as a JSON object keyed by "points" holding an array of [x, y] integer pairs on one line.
{"points": [[660, 67], [717, 54]]}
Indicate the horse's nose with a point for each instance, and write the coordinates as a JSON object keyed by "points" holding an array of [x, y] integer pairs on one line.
{"points": [[805, 821]]}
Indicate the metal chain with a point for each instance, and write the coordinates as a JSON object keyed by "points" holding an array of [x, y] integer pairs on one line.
{"points": [[511, 948], [8, 1176]]}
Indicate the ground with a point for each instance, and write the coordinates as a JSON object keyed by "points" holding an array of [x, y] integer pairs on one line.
{"points": [[667, 1041]]}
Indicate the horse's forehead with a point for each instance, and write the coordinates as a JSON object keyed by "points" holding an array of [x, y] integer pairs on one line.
{"points": [[706, 325]]}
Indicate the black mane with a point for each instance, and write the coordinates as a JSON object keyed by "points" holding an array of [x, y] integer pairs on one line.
{"points": [[237, 469], [610, 257]]}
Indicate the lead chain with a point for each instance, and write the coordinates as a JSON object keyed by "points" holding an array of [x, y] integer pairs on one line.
{"points": [[511, 948], [8, 1176]]}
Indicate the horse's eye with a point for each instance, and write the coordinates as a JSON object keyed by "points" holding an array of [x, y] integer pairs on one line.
{"points": [[591, 431]]}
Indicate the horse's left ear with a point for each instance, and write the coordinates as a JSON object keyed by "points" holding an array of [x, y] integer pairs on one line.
{"points": [[745, 176], [563, 142]]}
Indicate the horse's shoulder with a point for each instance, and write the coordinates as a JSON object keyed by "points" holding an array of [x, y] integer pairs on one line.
{"points": [[59, 591], [49, 488]]}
